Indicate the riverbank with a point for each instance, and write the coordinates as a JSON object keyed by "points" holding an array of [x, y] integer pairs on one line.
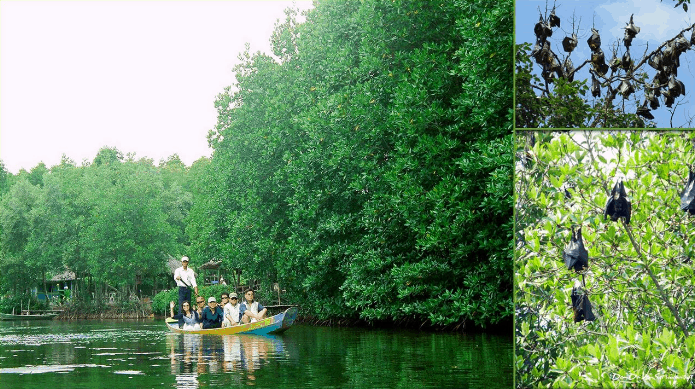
{"points": [[144, 311], [80, 310], [504, 327], [104, 315]]}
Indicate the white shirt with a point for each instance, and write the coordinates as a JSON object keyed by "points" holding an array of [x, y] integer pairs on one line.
{"points": [[253, 307], [232, 311], [186, 275]]}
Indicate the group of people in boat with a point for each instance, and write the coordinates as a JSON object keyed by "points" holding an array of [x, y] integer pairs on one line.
{"points": [[229, 312]]}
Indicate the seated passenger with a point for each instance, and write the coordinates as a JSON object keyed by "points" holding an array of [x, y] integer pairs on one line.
{"points": [[231, 312], [224, 300], [251, 310], [188, 319], [212, 315], [200, 305]]}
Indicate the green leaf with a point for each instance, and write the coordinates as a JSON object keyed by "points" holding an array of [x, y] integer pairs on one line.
{"points": [[524, 329], [612, 351]]}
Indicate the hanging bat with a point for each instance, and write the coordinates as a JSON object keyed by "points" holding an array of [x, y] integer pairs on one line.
{"points": [[554, 19], [618, 204], [594, 40], [569, 43], [575, 255], [630, 32], [581, 306], [688, 195]]}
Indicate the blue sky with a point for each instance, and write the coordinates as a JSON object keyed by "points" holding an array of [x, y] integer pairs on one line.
{"points": [[657, 20]]}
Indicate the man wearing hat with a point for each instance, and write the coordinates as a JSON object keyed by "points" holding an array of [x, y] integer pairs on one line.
{"points": [[231, 312], [185, 280], [212, 314]]}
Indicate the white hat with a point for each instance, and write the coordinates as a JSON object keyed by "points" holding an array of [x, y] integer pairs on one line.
{"points": [[184, 259], [211, 299]]}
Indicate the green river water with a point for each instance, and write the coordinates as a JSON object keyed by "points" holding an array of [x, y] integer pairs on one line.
{"points": [[144, 354]]}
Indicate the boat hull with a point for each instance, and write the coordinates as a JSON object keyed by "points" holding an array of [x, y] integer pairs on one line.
{"points": [[8, 316], [271, 325]]}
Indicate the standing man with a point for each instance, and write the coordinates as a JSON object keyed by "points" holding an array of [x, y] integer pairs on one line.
{"points": [[185, 280], [250, 310]]}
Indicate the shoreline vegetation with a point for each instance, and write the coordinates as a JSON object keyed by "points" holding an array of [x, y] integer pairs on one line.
{"points": [[364, 167], [404, 324], [152, 310]]}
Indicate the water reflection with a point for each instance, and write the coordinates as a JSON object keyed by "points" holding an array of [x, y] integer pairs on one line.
{"points": [[192, 355], [120, 355]]}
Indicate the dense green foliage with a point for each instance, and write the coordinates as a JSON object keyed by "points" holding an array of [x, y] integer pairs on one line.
{"points": [[366, 166], [112, 222], [18, 302], [640, 275]]}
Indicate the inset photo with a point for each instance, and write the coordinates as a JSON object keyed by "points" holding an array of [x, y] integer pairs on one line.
{"points": [[604, 259], [604, 64]]}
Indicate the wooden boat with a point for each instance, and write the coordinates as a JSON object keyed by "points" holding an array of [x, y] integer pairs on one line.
{"points": [[270, 325], [43, 316]]}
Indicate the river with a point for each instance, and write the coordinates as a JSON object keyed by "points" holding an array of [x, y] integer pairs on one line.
{"points": [[144, 354]]}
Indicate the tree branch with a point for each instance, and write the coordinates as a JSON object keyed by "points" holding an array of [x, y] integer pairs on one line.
{"points": [[662, 294], [644, 59], [580, 66]]}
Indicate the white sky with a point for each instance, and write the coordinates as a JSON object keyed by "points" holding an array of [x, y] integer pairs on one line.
{"points": [[139, 76]]}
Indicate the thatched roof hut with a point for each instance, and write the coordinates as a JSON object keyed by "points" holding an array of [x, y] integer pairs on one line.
{"points": [[66, 275]]}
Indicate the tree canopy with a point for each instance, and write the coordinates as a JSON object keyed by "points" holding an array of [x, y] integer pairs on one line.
{"points": [[639, 278], [358, 167], [112, 220]]}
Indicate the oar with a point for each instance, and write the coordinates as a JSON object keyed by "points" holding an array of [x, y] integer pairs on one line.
{"points": [[187, 286]]}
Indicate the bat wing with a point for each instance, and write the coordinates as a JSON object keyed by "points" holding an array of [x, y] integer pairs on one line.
{"points": [[588, 313], [554, 20], [583, 254], [609, 208], [575, 298], [628, 212], [574, 302], [570, 260], [688, 194], [583, 260]]}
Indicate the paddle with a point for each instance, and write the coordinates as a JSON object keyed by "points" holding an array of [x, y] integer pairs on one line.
{"points": [[189, 287], [185, 283]]}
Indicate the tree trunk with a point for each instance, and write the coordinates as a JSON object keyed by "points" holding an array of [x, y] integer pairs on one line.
{"points": [[45, 290]]}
